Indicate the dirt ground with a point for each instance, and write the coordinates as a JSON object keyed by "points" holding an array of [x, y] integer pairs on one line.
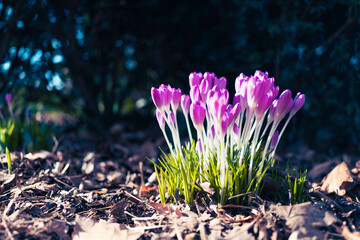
{"points": [[92, 187]]}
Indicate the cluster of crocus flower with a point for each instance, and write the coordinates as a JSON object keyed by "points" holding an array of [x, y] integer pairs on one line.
{"points": [[227, 130]]}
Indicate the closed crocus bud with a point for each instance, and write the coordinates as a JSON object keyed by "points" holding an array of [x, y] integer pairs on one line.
{"points": [[8, 98], [176, 97], [197, 114], [220, 82], [236, 129], [283, 105], [217, 104], [239, 81], [297, 104], [166, 96], [160, 118], [274, 140], [156, 97], [185, 104], [204, 89], [195, 94], [195, 79], [211, 78]]}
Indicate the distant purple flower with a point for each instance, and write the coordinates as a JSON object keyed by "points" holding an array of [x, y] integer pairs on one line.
{"points": [[8, 98], [166, 96]]}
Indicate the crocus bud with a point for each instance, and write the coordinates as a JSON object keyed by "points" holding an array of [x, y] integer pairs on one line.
{"points": [[160, 118], [166, 96], [156, 97], [217, 104], [255, 91], [236, 129], [220, 82], [185, 104], [197, 114], [195, 79], [274, 140], [283, 105], [297, 104], [239, 81], [195, 94], [204, 89], [8, 98], [211, 78], [176, 96], [235, 111]]}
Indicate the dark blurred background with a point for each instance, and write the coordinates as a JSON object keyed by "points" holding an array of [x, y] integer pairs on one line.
{"points": [[98, 59]]}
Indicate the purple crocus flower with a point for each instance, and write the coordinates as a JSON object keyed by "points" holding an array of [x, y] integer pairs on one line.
{"points": [[8, 98], [220, 82], [242, 78], [262, 106], [156, 97], [211, 78], [197, 114], [217, 103], [195, 79], [236, 129], [166, 96], [283, 105], [204, 89], [185, 104], [176, 97], [195, 94], [298, 103]]}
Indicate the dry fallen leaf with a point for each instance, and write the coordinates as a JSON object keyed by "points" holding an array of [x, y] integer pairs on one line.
{"points": [[305, 220], [166, 209], [345, 232], [337, 179], [41, 154], [145, 190], [89, 229]]}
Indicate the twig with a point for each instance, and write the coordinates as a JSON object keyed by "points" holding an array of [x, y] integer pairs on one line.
{"points": [[7, 209], [318, 194]]}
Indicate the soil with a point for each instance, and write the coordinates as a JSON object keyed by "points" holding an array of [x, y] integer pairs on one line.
{"points": [[92, 187]]}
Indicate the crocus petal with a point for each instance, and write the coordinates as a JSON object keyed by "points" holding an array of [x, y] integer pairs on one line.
{"points": [[197, 114], [176, 97], [185, 103], [298, 103], [195, 94], [156, 96], [283, 105], [195, 79]]}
